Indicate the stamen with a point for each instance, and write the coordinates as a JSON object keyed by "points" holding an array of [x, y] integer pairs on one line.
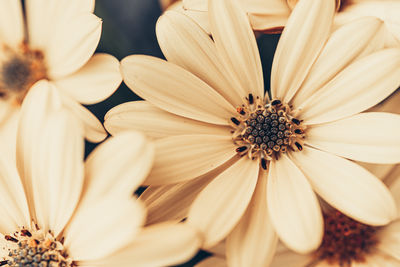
{"points": [[251, 99], [296, 121], [26, 233], [264, 163], [241, 149], [299, 147], [10, 238], [235, 121], [276, 102]]}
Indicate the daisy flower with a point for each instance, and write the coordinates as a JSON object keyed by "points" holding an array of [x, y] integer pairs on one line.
{"points": [[66, 212], [250, 162], [55, 40], [270, 16]]}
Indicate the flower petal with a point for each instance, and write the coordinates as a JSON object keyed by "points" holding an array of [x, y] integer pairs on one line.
{"points": [[94, 82], [59, 168], [154, 122], [252, 242], [159, 245], [125, 158], [293, 207], [219, 207], [196, 53], [94, 130], [67, 33], [302, 40], [344, 45], [41, 101], [395, 189], [199, 5], [175, 90], [369, 137], [347, 187], [212, 261], [236, 46], [99, 229], [184, 157], [289, 258], [353, 90], [389, 237], [172, 202], [11, 23]]}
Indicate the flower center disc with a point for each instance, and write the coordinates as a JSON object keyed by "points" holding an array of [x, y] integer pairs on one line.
{"points": [[345, 240], [34, 249], [265, 131], [19, 70]]}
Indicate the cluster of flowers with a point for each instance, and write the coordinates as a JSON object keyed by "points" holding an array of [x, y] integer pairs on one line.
{"points": [[301, 174]]}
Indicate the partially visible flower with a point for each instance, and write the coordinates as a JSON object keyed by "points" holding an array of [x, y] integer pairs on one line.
{"points": [[270, 16], [66, 212], [247, 164], [54, 40]]}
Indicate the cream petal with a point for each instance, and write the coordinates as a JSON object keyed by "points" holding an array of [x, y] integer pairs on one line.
{"points": [[395, 189], [267, 15], [199, 5], [212, 261], [184, 157], [389, 237], [94, 82], [172, 202], [11, 23], [288, 258], [118, 166], [236, 46], [159, 245], [58, 168], [219, 207], [369, 137], [101, 228], [344, 45], [300, 43], [387, 11], [252, 242], [267, 7], [67, 33], [94, 130], [293, 207], [154, 122], [175, 90], [347, 187], [196, 53], [41, 101], [353, 90], [13, 206]]}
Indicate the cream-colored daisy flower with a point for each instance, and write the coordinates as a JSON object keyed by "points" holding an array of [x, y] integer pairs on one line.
{"points": [[271, 15], [252, 164], [55, 40], [66, 212]]}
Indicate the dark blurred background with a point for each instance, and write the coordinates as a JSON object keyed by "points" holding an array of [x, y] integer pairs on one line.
{"points": [[129, 28]]}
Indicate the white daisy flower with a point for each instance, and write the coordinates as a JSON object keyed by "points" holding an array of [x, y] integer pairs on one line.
{"points": [[252, 164], [55, 40], [66, 212], [270, 16]]}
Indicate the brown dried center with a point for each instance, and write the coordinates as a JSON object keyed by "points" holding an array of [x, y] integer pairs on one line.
{"points": [[19, 70], [346, 240], [264, 131], [33, 249]]}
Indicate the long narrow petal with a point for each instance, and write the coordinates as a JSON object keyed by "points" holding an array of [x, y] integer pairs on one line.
{"points": [[302, 40], [123, 172], [347, 187], [59, 168], [199, 5], [101, 228], [11, 23], [94, 82], [67, 33], [236, 45], [184, 157], [369, 137], [287, 257], [353, 90], [41, 100], [343, 46], [293, 207], [154, 122], [94, 130], [395, 189], [196, 53], [252, 242], [219, 207], [175, 90], [159, 245], [212, 261]]}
